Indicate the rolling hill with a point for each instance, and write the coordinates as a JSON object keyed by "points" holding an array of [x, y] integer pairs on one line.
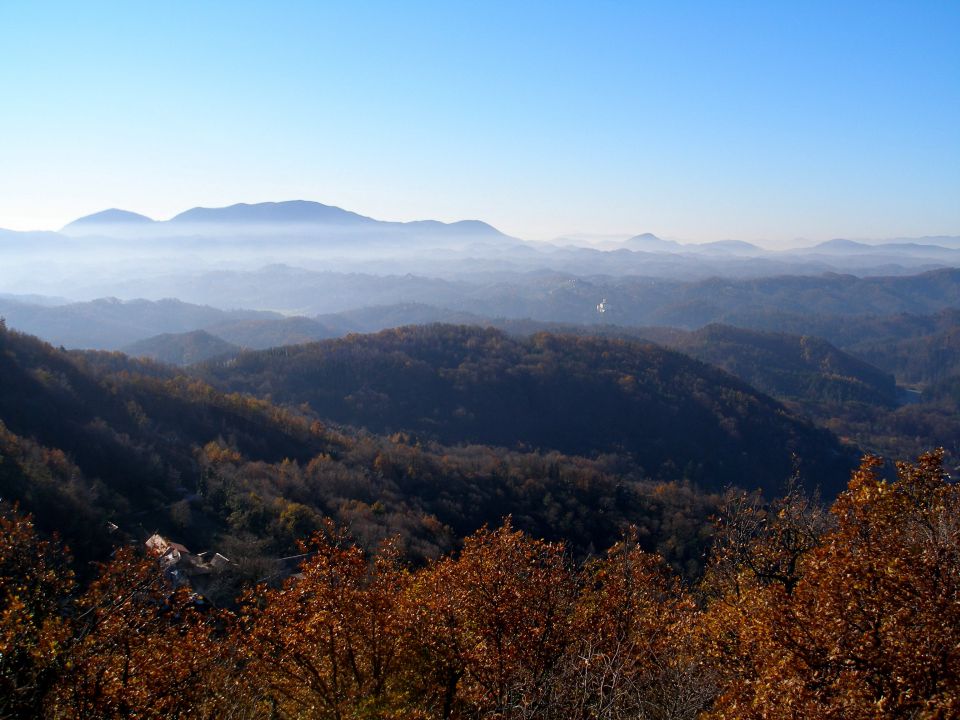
{"points": [[89, 441], [676, 417], [795, 367], [182, 348]]}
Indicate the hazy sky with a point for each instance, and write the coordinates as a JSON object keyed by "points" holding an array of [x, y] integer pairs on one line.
{"points": [[707, 120]]}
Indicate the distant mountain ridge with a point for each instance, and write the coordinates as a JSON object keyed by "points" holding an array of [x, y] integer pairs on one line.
{"points": [[115, 222], [648, 242], [294, 214], [651, 243], [110, 324], [109, 217], [123, 254], [291, 211], [853, 247], [371, 302]]}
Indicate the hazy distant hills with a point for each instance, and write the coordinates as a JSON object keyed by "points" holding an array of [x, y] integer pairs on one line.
{"points": [[273, 213], [289, 221], [145, 328], [119, 253], [304, 219], [931, 247], [325, 304], [297, 291], [744, 302], [107, 218], [651, 243], [731, 246], [741, 302], [288, 230], [648, 242], [908, 249], [110, 324], [562, 297]]}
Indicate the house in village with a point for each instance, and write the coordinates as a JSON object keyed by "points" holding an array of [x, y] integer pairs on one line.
{"points": [[182, 567]]}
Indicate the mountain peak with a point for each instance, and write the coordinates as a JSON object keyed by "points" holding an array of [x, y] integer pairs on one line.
{"points": [[290, 211], [458, 227], [842, 245], [650, 242], [113, 216]]}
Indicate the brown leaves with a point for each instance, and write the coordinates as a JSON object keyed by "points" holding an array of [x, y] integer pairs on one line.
{"points": [[636, 642], [871, 628], [855, 614], [327, 643], [34, 578], [492, 623], [139, 648]]}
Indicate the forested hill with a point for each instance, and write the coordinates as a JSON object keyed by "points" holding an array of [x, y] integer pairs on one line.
{"points": [[674, 416], [92, 440], [798, 367], [792, 367], [182, 348], [917, 349], [90, 437]]}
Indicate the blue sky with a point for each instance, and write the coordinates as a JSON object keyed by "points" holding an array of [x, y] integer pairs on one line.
{"points": [[766, 121]]}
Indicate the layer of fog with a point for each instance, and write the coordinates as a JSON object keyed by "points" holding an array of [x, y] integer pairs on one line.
{"points": [[88, 267]]}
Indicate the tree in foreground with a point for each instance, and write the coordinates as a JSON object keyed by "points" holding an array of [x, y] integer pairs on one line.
{"points": [[35, 583], [490, 626], [142, 650], [869, 625], [633, 648], [327, 644]]}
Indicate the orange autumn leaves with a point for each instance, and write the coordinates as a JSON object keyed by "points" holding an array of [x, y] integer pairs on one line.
{"points": [[851, 612], [33, 580], [867, 625], [506, 629]]}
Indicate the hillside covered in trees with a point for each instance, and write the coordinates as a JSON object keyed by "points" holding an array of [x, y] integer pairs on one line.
{"points": [[92, 438], [804, 368], [896, 414], [672, 416], [850, 613], [181, 348]]}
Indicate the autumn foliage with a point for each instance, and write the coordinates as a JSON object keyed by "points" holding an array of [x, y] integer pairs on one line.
{"points": [[868, 622], [803, 612]]}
